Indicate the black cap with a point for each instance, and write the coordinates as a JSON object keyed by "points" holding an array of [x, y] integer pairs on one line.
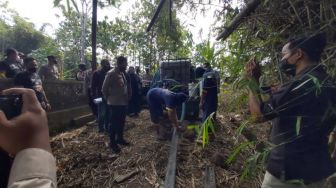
{"points": [[10, 51], [51, 58]]}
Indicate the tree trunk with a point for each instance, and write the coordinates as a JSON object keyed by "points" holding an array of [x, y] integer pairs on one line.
{"points": [[83, 28], [94, 34]]}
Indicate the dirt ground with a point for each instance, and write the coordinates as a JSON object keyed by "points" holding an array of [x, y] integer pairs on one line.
{"points": [[85, 160]]}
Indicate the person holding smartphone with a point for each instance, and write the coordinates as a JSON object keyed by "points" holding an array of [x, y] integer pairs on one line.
{"points": [[27, 138], [302, 116]]}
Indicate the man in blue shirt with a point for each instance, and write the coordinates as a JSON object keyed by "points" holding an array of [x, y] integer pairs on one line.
{"points": [[159, 98]]}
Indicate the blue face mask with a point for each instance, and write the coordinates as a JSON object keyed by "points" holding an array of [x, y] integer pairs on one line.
{"points": [[287, 68]]}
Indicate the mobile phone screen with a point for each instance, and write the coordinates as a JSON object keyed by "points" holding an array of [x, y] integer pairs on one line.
{"points": [[11, 105]]}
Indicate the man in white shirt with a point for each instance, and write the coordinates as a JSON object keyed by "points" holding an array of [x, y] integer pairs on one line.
{"points": [[27, 138]]}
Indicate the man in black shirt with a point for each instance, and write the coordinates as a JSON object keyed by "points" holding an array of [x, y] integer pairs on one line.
{"points": [[209, 98], [135, 101], [302, 115], [96, 89], [11, 66], [30, 79]]}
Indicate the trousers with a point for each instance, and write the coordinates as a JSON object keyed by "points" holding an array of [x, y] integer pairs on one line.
{"points": [[272, 182], [117, 122]]}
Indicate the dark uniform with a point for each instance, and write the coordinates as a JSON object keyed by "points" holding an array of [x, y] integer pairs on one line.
{"points": [[159, 98], [11, 68], [210, 91], [96, 89], [135, 101], [31, 81], [302, 120]]}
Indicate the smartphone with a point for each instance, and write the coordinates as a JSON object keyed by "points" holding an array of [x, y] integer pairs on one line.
{"points": [[11, 105]]}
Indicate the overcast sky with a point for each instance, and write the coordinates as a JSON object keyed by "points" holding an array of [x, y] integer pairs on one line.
{"points": [[42, 11]]}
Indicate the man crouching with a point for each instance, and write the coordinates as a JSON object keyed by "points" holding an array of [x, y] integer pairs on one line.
{"points": [[159, 98]]}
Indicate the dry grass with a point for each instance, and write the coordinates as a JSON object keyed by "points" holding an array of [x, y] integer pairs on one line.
{"points": [[85, 160]]}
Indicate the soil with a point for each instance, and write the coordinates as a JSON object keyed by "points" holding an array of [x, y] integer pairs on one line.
{"points": [[84, 158]]}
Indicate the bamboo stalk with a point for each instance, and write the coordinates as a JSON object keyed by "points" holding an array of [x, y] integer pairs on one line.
{"points": [[295, 11], [308, 14]]}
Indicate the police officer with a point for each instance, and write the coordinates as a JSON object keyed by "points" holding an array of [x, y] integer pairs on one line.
{"points": [[31, 80], [11, 66]]}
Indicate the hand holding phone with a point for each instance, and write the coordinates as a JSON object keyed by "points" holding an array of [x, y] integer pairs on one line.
{"points": [[11, 105], [27, 130]]}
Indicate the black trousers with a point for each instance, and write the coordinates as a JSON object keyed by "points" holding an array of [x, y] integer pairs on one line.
{"points": [[93, 106], [5, 166], [134, 104], [117, 122]]}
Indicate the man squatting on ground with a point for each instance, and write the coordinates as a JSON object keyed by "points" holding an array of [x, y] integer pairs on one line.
{"points": [[158, 99]]}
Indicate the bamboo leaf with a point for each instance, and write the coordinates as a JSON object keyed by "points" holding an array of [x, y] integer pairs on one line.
{"points": [[298, 125], [242, 126], [194, 127], [203, 137], [237, 151], [75, 5]]}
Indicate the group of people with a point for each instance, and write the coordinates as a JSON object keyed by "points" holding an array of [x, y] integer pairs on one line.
{"points": [[113, 94], [25, 72]]}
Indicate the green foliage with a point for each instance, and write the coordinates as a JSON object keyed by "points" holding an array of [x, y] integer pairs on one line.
{"points": [[232, 100], [205, 53], [233, 156], [242, 126], [49, 47], [203, 131], [255, 163], [16, 32]]}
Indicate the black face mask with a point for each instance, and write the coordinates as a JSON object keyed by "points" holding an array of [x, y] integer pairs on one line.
{"points": [[33, 70], [287, 68]]}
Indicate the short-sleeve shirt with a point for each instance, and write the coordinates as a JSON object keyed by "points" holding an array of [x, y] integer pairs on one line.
{"points": [[48, 72], [159, 96], [11, 68], [31, 81], [302, 116]]}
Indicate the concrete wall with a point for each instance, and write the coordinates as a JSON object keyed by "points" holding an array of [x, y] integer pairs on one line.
{"points": [[67, 99]]}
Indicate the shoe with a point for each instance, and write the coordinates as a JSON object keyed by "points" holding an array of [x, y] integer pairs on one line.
{"points": [[123, 142], [115, 148]]}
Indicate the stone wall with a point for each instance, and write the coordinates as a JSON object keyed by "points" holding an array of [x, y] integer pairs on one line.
{"points": [[67, 99]]}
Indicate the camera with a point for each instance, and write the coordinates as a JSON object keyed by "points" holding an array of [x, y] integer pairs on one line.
{"points": [[11, 105]]}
